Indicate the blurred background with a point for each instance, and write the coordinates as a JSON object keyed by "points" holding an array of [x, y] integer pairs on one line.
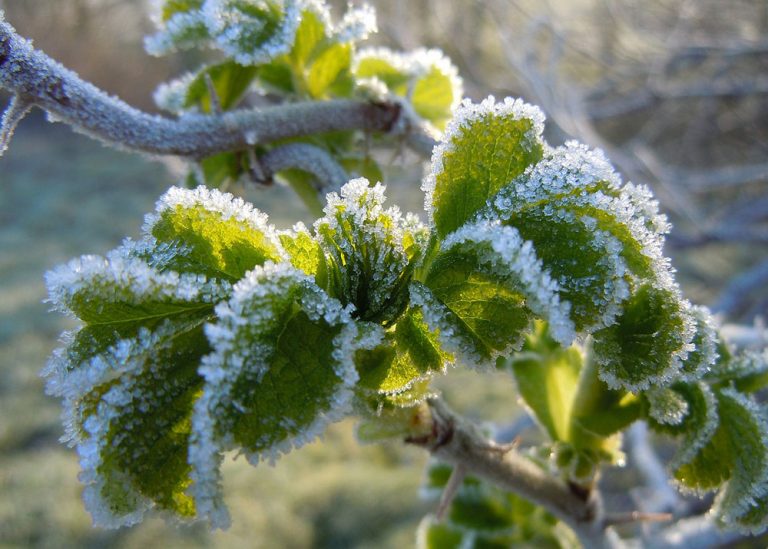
{"points": [[675, 92]]}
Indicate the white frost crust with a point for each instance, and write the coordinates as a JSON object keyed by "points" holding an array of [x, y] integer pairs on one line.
{"points": [[667, 407], [215, 201], [241, 320], [503, 253], [465, 115], [170, 37], [695, 441], [171, 96], [370, 250], [358, 23], [230, 27], [120, 278]]}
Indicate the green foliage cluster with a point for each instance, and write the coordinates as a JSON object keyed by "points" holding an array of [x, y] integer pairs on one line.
{"points": [[217, 332]]}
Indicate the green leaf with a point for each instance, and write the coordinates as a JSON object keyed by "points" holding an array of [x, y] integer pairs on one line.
{"points": [[547, 382], [253, 33], [484, 288], [224, 236], [310, 33], [362, 166], [484, 148], [136, 450], [282, 369], [230, 81], [437, 91], [410, 353], [327, 67], [365, 263], [648, 342], [277, 77], [705, 342]]}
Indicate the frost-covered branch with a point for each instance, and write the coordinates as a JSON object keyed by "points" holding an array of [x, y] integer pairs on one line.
{"points": [[460, 443], [44, 83], [308, 158]]}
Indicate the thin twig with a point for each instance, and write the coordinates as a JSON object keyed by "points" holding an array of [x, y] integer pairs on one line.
{"points": [[457, 442]]}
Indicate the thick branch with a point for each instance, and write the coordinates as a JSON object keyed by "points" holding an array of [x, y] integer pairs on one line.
{"points": [[459, 443], [67, 98]]}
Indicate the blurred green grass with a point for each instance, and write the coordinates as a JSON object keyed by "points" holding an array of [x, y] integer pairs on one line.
{"points": [[63, 195]]}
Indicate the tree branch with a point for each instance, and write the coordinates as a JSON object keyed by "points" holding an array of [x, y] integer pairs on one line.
{"points": [[67, 98], [459, 443], [308, 158]]}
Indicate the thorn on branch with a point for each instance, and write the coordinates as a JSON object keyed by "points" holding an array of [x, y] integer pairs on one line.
{"points": [[450, 490], [213, 95], [16, 111]]}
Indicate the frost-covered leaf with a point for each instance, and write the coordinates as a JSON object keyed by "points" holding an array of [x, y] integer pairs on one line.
{"points": [[409, 353], [746, 369], [425, 78], [225, 236], [667, 406], [364, 263], [594, 235], [129, 378], [181, 25], [737, 454], [282, 369], [696, 426], [133, 452], [122, 301], [484, 288], [648, 342], [253, 32], [704, 355], [484, 148]]}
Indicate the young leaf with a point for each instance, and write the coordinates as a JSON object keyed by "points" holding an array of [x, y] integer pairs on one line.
{"points": [[425, 78], [224, 236], [483, 289], [282, 369], [230, 82], [409, 353], [365, 262], [327, 68], [484, 148], [648, 342]]}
